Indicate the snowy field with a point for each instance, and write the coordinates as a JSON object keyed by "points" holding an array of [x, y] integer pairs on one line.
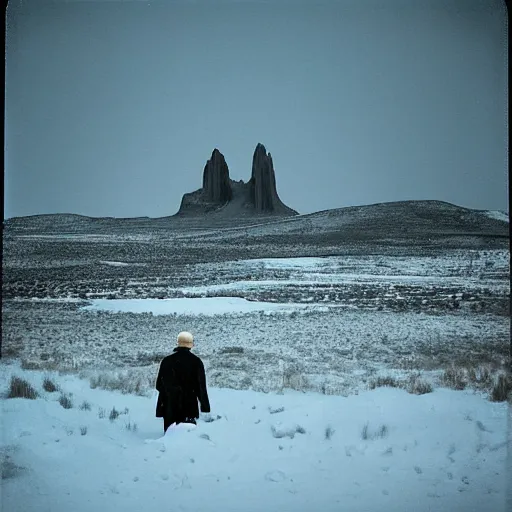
{"points": [[331, 324], [379, 450], [296, 352], [194, 306]]}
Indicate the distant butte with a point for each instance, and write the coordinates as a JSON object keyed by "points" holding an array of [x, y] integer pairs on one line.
{"points": [[216, 182], [221, 195]]}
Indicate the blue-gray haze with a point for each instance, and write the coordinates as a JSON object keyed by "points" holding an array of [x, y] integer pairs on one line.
{"points": [[113, 107]]}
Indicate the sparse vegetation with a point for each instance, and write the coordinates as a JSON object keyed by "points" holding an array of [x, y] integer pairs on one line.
{"points": [[114, 414], [418, 386], [276, 410], [148, 358], [329, 432], [132, 427], [52, 334], [101, 413], [83, 431], [380, 433], [502, 389], [414, 384], [478, 376], [455, 378], [85, 406], [126, 382], [20, 388], [385, 382], [49, 385], [65, 401], [12, 348], [294, 378]]}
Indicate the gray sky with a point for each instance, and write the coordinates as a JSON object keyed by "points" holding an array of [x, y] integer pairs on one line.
{"points": [[113, 107]]}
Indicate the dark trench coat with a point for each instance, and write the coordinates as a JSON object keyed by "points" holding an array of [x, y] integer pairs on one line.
{"points": [[181, 383]]}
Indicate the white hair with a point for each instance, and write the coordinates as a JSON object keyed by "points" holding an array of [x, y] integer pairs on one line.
{"points": [[185, 338]]}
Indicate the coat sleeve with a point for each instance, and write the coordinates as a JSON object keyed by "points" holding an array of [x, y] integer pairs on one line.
{"points": [[160, 401], [158, 383], [202, 393]]}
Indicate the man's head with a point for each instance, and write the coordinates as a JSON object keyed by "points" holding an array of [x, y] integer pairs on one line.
{"points": [[185, 339]]}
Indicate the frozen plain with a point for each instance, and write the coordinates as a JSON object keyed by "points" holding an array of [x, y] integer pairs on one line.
{"points": [[309, 335]]}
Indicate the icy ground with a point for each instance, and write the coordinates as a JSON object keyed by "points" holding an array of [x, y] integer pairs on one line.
{"points": [[209, 306], [383, 450]]}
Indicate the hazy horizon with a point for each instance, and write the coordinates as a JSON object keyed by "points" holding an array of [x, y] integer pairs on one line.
{"points": [[114, 107]]}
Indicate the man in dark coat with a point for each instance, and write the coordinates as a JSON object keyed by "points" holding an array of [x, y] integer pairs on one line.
{"points": [[181, 382]]}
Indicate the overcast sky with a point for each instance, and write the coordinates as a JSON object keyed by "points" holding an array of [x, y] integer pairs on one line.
{"points": [[113, 107]]}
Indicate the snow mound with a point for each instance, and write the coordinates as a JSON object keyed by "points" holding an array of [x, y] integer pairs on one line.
{"points": [[497, 215]]}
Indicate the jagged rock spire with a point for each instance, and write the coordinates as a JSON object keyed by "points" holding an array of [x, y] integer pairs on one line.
{"points": [[263, 181], [216, 182]]}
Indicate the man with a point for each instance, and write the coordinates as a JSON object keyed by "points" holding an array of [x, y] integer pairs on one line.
{"points": [[181, 382]]}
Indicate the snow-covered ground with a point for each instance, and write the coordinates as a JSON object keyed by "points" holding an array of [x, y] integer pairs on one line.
{"points": [[335, 323], [194, 306], [382, 450], [498, 215]]}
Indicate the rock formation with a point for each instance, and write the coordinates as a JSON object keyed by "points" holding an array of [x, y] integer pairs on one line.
{"points": [[216, 182], [263, 182], [229, 198]]}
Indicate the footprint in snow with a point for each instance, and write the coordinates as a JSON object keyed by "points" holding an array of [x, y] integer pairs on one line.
{"points": [[275, 476], [482, 427], [451, 451], [181, 482]]}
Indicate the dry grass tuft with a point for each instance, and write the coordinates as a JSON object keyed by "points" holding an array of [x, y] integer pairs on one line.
{"points": [[20, 388], [85, 406], [65, 401], [502, 389], [380, 433], [417, 386], [455, 377], [126, 382], [386, 381], [49, 385]]}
